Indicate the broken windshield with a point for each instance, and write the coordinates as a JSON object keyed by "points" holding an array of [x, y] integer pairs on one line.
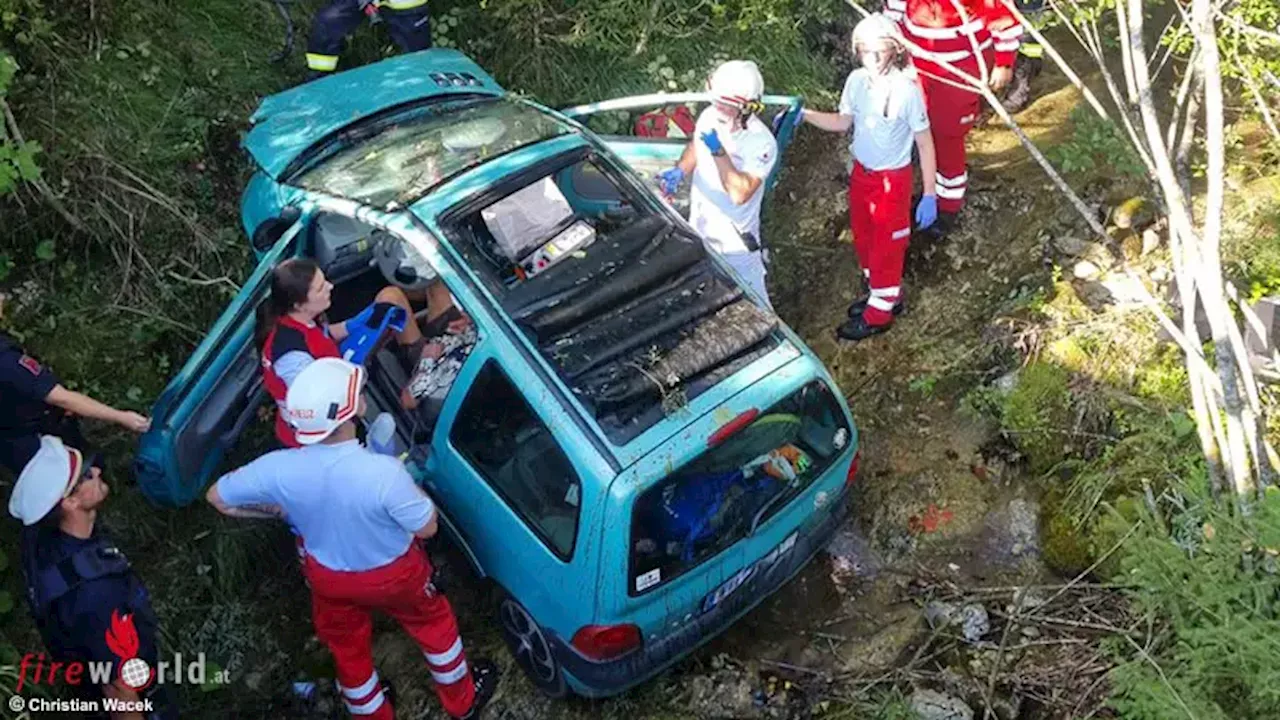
{"points": [[398, 159]]}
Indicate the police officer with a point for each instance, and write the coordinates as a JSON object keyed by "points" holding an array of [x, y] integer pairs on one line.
{"points": [[34, 402], [407, 20], [88, 603]]}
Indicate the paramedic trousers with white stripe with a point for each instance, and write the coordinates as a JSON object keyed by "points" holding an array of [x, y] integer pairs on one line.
{"points": [[408, 22], [880, 216], [952, 113], [341, 603]]}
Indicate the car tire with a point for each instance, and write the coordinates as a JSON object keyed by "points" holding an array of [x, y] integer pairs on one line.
{"points": [[530, 648]]}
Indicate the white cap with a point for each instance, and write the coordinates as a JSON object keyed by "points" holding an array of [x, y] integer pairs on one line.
{"points": [[324, 396], [44, 480], [737, 82], [873, 28]]}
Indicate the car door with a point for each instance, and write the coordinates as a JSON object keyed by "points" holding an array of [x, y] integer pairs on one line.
{"points": [[650, 132], [203, 410]]}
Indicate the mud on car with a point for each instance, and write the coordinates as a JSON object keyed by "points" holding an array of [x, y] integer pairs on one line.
{"points": [[635, 452]]}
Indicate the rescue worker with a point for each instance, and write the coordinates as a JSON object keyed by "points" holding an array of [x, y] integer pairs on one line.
{"points": [[292, 331], [34, 402], [88, 603], [732, 155], [952, 29], [364, 558], [883, 104], [408, 21], [1030, 59]]}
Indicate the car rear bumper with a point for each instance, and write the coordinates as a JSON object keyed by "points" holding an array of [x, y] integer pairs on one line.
{"points": [[599, 679]]}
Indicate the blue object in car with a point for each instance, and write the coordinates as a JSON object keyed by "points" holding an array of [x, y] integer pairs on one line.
{"points": [[613, 360]]}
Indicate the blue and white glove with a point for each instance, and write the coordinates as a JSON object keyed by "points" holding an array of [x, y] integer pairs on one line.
{"points": [[712, 140], [669, 180], [796, 121], [926, 211]]}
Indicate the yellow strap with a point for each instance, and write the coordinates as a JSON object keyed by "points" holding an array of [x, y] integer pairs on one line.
{"points": [[401, 4], [322, 63]]}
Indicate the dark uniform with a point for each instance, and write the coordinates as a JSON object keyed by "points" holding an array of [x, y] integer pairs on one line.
{"points": [[1030, 58], [24, 415], [74, 587], [408, 21]]}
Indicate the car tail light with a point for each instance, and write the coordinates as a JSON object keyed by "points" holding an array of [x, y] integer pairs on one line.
{"points": [[605, 642], [733, 426], [852, 476]]}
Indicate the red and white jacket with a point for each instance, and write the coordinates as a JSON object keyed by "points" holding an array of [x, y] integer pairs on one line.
{"points": [[938, 27]]}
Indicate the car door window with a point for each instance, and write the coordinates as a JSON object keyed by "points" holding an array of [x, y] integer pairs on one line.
{"points": [[508, 444]]}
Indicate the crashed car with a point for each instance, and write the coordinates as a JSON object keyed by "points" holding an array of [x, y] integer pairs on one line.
{"points": [[635, 451]]}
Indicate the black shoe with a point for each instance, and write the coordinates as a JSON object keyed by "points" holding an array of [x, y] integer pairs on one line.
{"points": [[389, 692], [859, 306], [485, 675], [1018, 95], [857, 329], [941, 228]]}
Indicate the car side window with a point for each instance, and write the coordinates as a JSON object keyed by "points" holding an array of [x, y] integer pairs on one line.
{"points": [[509, 445]]}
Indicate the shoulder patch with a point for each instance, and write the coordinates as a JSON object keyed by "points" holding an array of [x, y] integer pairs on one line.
{"points": [[30, 365]]}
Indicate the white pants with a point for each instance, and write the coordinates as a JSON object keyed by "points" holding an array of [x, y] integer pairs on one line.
{"points": [[750, 265]]}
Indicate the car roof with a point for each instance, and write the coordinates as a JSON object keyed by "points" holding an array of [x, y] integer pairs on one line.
{"points": [[288, 123]]}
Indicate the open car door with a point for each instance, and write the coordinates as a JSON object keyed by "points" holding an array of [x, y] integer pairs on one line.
{"points": [[650, 132], [202, 412]]}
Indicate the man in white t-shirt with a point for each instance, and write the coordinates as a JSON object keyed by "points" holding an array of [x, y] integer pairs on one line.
{"points": [[732, 155], [883, 104]]}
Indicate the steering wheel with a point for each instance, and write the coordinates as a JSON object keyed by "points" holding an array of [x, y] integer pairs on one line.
{"points": [[400, 264]]}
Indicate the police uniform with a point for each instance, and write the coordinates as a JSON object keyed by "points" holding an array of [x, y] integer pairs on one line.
{"points": [[88, 603], [408, 21], [24, 414]]}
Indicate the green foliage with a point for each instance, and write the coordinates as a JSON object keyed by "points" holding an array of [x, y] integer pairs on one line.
{"points": [[17, 159], [1035, 415], [1212, 582], [1095, 146]]}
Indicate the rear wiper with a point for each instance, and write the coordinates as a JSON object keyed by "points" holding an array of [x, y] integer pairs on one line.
{"points": [[764, 509]]}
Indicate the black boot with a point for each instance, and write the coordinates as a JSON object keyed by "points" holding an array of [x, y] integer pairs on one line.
{"points": [[1018, 95], [941, 228], [856, 328], [860, 305], [485, 676]]}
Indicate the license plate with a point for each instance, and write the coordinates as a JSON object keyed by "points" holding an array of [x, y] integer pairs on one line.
{"points": [[740, 578]]}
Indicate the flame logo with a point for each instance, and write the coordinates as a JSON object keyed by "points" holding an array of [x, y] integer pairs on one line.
{"points": [[122, 639]]}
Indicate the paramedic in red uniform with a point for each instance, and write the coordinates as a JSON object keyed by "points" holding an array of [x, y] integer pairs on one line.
{"points": [[365, 557], [292, 332], [883, 105], [951, 30]]}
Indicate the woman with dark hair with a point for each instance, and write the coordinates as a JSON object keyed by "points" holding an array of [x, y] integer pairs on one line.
{"points": [[884, 106], [292, 331]]}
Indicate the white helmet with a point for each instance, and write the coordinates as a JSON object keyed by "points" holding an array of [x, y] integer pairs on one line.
{"points": [[324, 396], [45, 480], [872, 29], [737, 82]]}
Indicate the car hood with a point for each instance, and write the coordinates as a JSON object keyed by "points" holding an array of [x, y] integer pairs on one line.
{"points": [[288, 123]]}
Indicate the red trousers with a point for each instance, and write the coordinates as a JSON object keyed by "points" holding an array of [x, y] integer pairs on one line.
{"points": [[952, 112], [341, 603], [880, 216]]}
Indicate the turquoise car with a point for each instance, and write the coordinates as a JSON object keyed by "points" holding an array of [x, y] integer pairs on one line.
{"points": [[635, 452]]}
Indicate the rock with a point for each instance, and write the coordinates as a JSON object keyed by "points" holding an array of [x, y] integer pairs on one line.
{"points": [[1086, 270], [725, 694], [1133, 213], [1011, 534], [1150, 241], [1070, 245], [884, 647], [1124, 290], [939, 613], [1131, 247], [972, 618], [1008, 381], [1093, 295], [933, 705], [852, 558]]}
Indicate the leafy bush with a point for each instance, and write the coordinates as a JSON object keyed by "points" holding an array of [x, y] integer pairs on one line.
{"points": [[1095, 145]]}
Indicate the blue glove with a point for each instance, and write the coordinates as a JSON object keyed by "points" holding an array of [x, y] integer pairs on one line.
{"points": [[712, 141], [926, 211], [669, 180]]}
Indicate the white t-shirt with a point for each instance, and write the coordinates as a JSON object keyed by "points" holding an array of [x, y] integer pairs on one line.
{"points": [[355, 509], [754, 151], [887, 112]]}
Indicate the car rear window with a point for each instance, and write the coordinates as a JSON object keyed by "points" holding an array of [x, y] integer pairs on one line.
{"points": [[735, 486]]}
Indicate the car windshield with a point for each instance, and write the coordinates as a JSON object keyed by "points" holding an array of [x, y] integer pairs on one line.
{"points": [[729, 491], [399, 159]]}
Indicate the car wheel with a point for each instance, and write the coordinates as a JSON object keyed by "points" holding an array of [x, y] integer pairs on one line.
{"points": [[530, 648]]}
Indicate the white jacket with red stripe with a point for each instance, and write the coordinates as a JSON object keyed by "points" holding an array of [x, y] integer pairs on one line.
{"points": [[939, 27]]}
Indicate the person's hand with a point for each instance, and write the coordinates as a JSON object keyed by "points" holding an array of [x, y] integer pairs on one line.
{"points": [[135, 422], [926, 211], [796, 121], [1000, 77], [669, 180], [712, 140]]}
